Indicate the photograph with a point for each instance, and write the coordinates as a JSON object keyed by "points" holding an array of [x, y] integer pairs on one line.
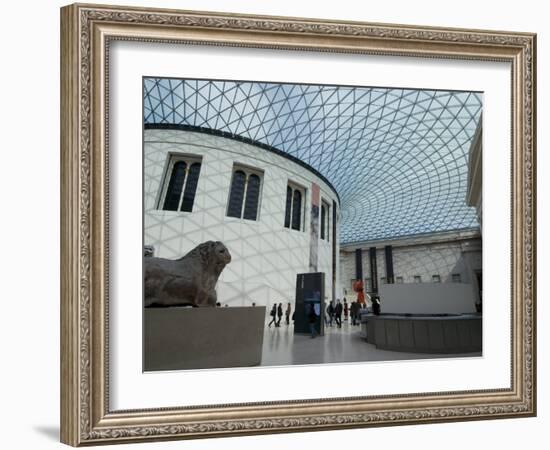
{"points": [[295, 224]]}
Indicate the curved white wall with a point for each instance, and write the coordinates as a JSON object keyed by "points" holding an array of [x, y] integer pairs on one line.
{"points": [[266, 256]]}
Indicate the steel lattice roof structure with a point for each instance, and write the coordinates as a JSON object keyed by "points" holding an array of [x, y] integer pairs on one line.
{"points": [[398, 158]]}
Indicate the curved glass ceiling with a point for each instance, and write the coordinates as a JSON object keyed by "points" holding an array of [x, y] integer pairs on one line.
{"points": [[397, 157]]}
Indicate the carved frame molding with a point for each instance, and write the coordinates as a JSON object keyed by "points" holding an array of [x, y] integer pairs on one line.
{"points": [[86, 31]]}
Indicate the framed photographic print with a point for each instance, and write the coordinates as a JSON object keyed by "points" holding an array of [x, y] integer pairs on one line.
{"points": [[267, 221]]}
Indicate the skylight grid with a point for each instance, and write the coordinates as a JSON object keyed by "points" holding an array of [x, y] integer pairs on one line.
{"points": [[397, 157]]}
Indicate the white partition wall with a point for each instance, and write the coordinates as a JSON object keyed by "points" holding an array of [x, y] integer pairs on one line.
{"points": [[427, 298]]}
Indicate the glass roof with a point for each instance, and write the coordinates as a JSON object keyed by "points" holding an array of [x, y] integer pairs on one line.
{"points": [[397, 157]]}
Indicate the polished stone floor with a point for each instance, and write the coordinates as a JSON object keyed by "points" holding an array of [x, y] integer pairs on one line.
{"points": [[282, 347]]}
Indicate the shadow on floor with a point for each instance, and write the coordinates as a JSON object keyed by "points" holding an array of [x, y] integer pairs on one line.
{"points": [[50, 432]]}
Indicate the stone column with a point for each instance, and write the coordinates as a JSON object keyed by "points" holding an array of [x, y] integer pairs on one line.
{"points": [[389, 264], [358, 264], [373, 270]]}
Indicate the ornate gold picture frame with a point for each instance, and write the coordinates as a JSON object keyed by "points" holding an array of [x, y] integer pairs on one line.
{"points": [[87, 32]]}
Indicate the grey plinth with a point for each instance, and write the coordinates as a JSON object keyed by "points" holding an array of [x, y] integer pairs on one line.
{"points": [[178, 338], [460, 333]]}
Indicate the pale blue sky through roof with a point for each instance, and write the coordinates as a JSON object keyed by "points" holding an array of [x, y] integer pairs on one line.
{"points": [[397, 157]]}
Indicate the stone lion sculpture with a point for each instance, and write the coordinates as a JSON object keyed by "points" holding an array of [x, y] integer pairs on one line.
{"points": [[188, 281]]}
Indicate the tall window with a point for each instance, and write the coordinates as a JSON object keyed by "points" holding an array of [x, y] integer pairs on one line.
{"points": [[456, 278], [325, 221], [181, 182], [417, 279], [244, 196], [252, 198], [288, 206], [294, 207], [436, 279]]}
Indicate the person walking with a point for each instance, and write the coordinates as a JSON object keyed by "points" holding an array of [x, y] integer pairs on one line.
{"points": [[279, 314], [330, 313], [338, 313], [346, 309], [273, 314], [376, 305], [312, 319], [287, 313], [354, 312]]}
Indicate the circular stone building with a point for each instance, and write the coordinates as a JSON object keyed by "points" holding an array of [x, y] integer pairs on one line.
{"points": [[276, 214]]}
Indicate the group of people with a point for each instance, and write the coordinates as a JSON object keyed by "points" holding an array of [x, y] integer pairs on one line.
{"points": [[277, 314], [334, 312]]}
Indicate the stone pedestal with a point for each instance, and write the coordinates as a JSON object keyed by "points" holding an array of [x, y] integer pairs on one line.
{"points": [[177, 338]]}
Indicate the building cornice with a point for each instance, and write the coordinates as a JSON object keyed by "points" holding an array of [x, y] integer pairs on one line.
{"points": [[236, 137], [418, 239]]}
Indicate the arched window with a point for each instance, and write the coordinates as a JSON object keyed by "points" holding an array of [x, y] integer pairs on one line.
{"points": [[237, 194], [175, 186], [179, 194], [325, 221], [191, 187], [244, 195], [296, 210], [252, 197], [294, 207], [288, 206]]}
